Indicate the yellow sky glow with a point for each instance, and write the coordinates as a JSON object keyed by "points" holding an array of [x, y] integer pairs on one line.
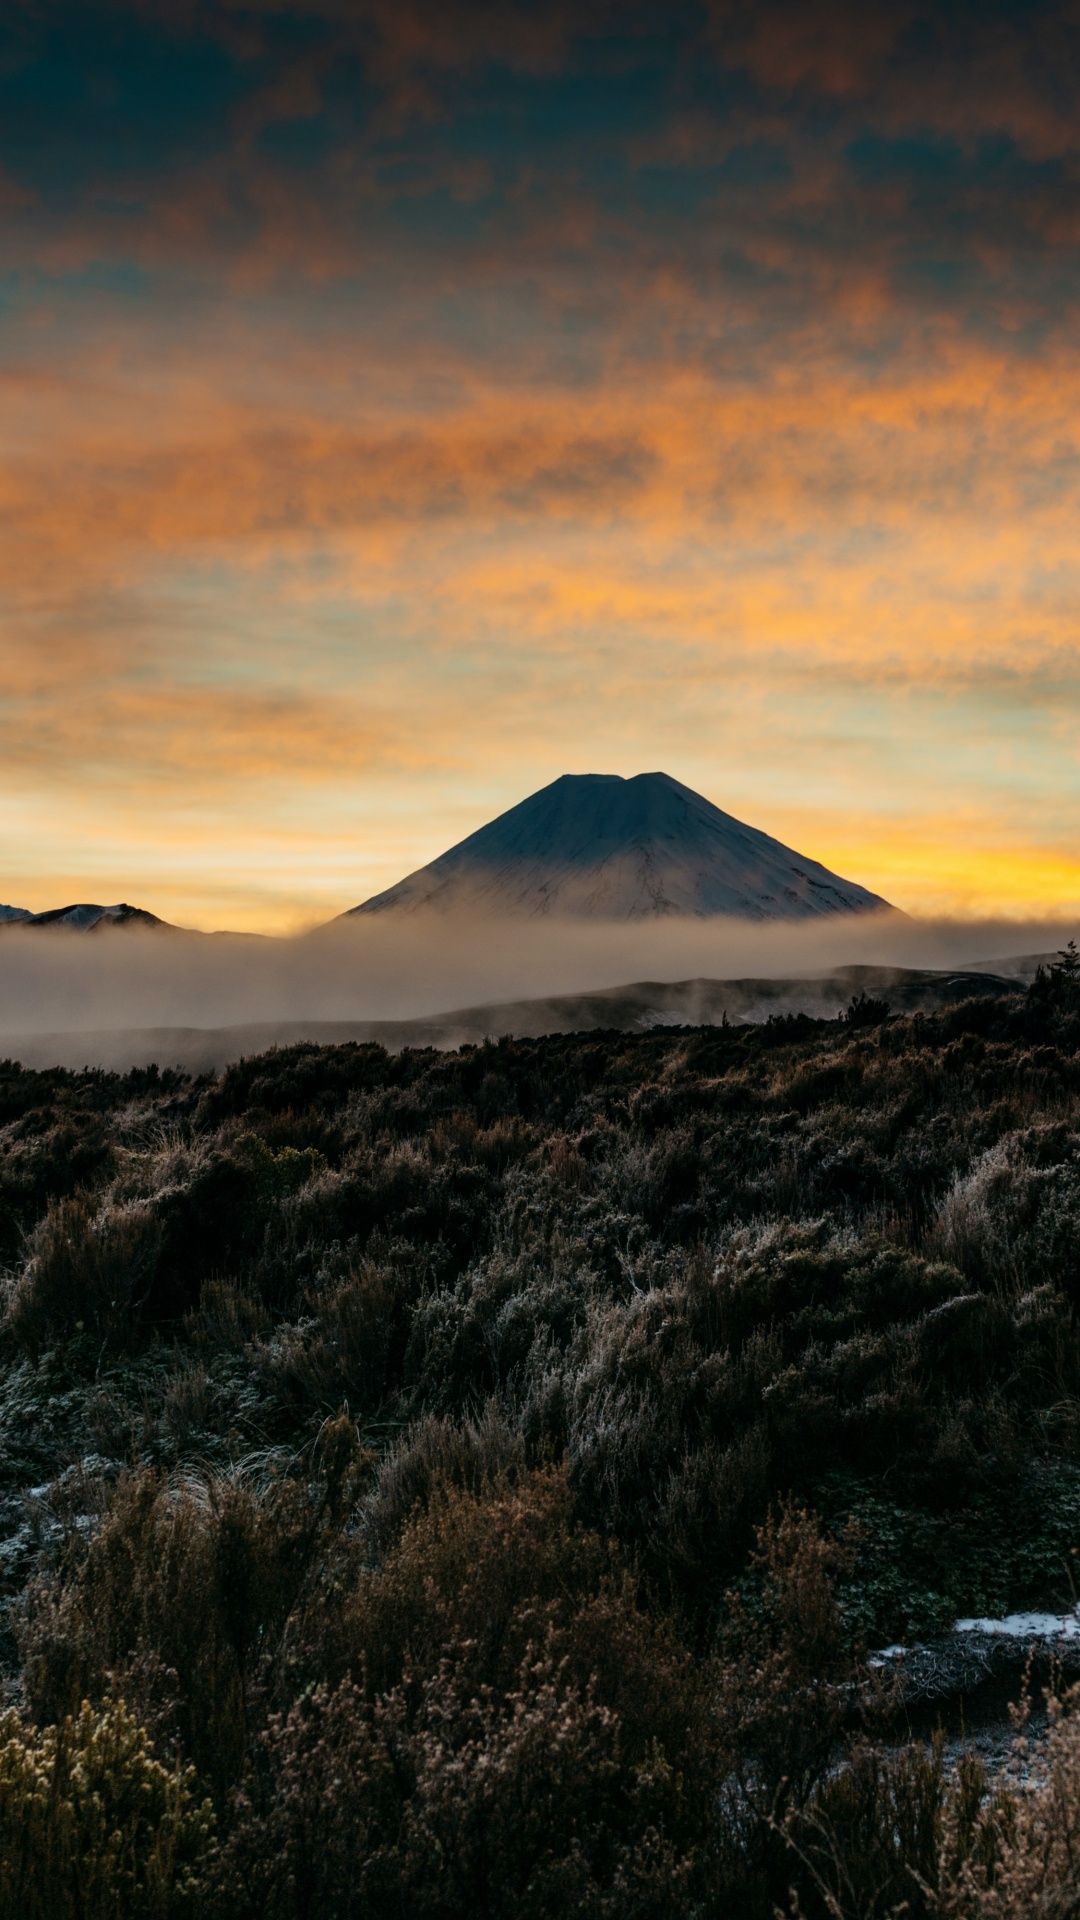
{"points": [[347, 498]]}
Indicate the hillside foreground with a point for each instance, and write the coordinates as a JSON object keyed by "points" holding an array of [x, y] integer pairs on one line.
{"points": [[473, 1483]]}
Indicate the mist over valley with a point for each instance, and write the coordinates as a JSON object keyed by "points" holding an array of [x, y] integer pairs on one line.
{"points": [[596, 886]]}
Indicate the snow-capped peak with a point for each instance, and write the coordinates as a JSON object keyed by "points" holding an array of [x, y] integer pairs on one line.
{"points": [[595, 845]]}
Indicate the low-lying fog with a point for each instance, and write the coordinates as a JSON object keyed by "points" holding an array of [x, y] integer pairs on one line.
{"points": [[378, 968]]}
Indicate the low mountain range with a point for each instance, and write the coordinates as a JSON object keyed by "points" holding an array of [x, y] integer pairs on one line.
{"points": [[83, 918], [596, 846]]}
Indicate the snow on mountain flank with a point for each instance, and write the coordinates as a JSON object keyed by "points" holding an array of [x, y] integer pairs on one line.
{"points": [[83, 917], [596, 846]]}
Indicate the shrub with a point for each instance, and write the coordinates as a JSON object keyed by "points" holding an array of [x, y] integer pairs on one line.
{"points": [[435, 1454], [890, 1831], [185, 1594], [516, 1806], [1016, 1856], [783, 1674], [1014, 1220], [473, 1569], [601, 1303], [866, 1010], [92, 1824], [89, 1268], [349, 1347]]}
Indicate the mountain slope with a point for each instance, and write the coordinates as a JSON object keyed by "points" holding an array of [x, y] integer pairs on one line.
{"points": [[83, 917], [596, 846]]}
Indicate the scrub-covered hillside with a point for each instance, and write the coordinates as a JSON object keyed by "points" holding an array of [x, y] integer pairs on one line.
{"points": [[467, 1484]]}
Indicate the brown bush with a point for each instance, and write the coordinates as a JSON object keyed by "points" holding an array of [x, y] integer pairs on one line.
{"points": [[605, 1299], [344, 1349], [1015, 1855], [184, 1595], [867, 1844], [784, 1676], [89, 1268], [519, 1806], [474, 1568], [481, 1576], [434, 1454]]}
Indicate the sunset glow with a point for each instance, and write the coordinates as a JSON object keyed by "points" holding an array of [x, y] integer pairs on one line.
{"points": [[401, 406]]}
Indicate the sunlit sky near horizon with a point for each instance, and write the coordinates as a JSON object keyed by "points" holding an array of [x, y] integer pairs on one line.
{"points": [[403, 404]]}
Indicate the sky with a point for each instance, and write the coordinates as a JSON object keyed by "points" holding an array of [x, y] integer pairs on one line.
{"points": [[403, 404]]}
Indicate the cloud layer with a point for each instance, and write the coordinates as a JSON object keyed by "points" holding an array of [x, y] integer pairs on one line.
{"points": [[402, 405], [405, 967]]}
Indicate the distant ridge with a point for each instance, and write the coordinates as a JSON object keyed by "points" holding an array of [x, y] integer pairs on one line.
{"points": [[83, 917], [596, 846], [638, 1008]]}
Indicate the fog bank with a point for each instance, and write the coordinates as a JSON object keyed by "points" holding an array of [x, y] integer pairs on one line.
{"points": [[395, 969]]}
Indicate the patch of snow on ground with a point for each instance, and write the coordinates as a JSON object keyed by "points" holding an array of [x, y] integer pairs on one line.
{"points": [[1027, 1626]]}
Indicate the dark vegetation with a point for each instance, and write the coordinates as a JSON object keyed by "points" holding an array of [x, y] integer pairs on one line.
{"points": [[468, 1485]]}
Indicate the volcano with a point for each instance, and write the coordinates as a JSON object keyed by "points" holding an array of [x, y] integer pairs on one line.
{"points": [[597, 846]]}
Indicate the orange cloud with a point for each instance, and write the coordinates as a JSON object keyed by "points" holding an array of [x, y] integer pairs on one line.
{"points": [[345, 496]]}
